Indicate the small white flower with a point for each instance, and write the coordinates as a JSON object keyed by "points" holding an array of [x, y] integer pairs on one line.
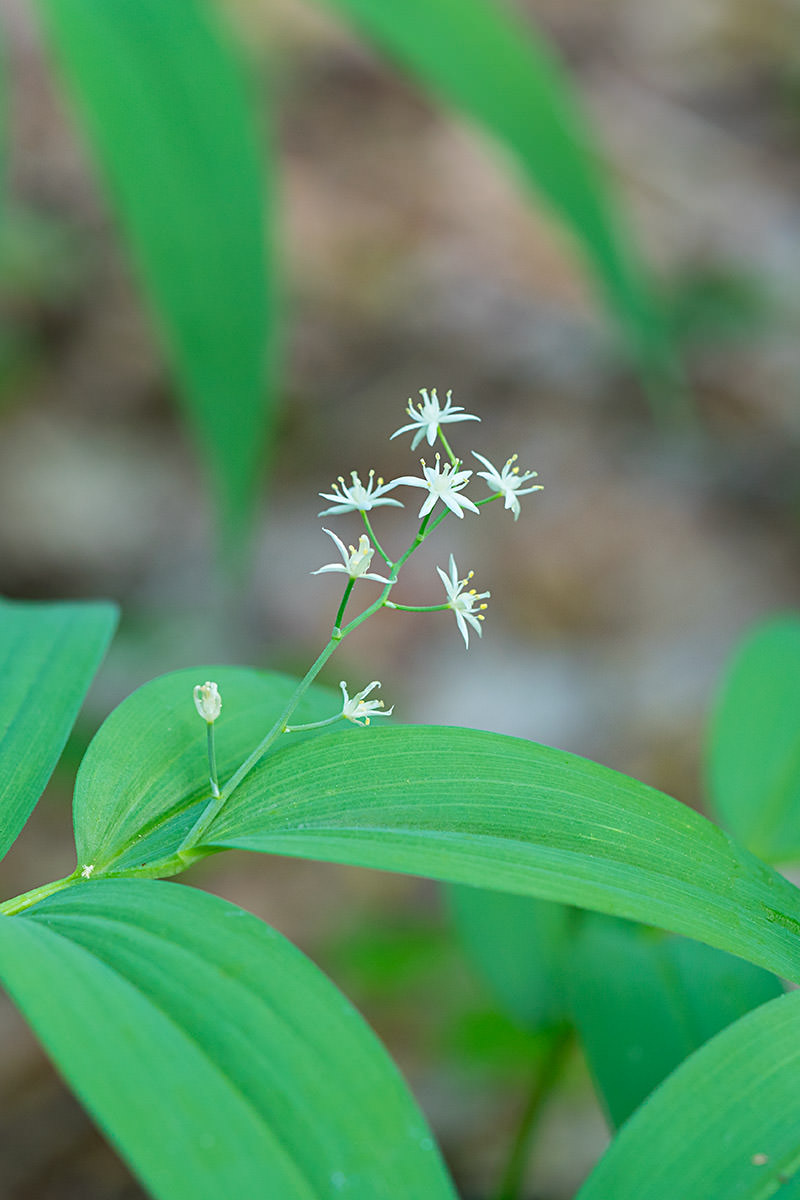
{"points": [[208, 701], [87, 870], [355, 497], [508, 481], [463, 603], [442, 484], [356, 563], [429, 415], [358, 706]]}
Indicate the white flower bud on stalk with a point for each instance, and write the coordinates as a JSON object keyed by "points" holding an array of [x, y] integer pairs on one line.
{"points": [[208, 701]]}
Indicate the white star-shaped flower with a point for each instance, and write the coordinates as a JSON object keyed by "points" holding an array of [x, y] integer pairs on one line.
{"points": [[463, 603], [429, 415], [356, 562], [358, 709], [442, 483], [508, 481], [355, 497]]}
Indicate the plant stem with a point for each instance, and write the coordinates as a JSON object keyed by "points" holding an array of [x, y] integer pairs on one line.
{"points": [[446, 445], [417, 607], [394, 572], [19, 903], [212, 759], [216, 803], [314, 724], [375, 542], [338, 620], [555, 1056]]}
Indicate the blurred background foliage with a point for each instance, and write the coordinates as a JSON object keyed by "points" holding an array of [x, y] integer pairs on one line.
{"points": [[235, 239]]}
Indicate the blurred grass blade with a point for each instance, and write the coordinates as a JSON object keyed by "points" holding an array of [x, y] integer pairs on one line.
{"points": [[220, 1062], [498, 812], [168, 116], [643, 1002], [521, 947], [477, 57], [49, 654], [753, 756], [726, 1124]]}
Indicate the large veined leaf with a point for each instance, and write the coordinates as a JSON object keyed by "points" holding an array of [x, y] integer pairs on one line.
{"points": [[48, 656], [495, 70], [219, 1060], [144, 779], [754, 742], [643, 1001], [521, 947], [498, 812], [724, 1126], [165, 106]]}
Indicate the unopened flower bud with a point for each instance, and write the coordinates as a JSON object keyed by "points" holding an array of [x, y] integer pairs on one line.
{"points": [[208, 701]]}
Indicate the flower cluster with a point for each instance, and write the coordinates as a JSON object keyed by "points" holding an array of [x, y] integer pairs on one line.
{"points": [[444, 486], [444, 482]]}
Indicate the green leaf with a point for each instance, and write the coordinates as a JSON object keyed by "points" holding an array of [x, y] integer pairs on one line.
{"points": [[219, 1060], [496, 70], [501, 813], [754, 743], [643, 1002], [519, 946], [48, 656], [166, 108], [144, 779], [725, 1125]]}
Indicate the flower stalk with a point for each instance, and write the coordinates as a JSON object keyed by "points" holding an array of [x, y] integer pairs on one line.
{"points": [[445, 483]]}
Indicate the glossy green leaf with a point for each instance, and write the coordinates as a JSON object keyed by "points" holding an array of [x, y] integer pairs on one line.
{"points": [[519, 946], [643, 1001], [502, 813], [754, 742], [144, 779], [724, 1126], [496, 70], [164, 102], [48, 656], [219, 1060]]}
